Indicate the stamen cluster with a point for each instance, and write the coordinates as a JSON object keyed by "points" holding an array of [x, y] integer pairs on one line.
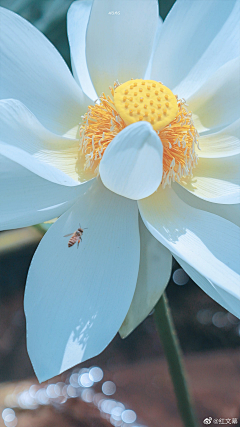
{"points": [[179, 139], [102, 123]]}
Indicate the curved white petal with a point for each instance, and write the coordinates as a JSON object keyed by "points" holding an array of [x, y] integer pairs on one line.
{"points": [[119, 45], [207, 242], [227, 297], [33, 72], [44, 170], [153, 276], [231, 296], [77, 21], [147, 75], [27, 199], [77, 298], [217, 102], [221, 144], [215, 180], [223, 47], [229, 212], [196, 39], [19, 127], [132, 163]]}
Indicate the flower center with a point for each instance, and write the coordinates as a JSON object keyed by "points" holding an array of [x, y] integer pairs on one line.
{"points": [[137, 100], [147, 100]]}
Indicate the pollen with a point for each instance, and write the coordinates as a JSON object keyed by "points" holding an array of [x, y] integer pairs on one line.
{"points": [[152, 93], [179, 139], [173, 124], [100, 125]]}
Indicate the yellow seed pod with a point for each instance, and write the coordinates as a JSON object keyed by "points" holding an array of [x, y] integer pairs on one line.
{"points": [[149, 99]]}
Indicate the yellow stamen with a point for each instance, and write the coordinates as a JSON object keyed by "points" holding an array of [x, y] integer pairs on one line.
{"points": [[178, 139], [100, 125]]}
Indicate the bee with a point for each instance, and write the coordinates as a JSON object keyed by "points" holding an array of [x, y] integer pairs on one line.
{"points": [[76, 237]]}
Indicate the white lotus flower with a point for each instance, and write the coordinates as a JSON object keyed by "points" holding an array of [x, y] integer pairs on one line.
{"points": [[78, 299]]}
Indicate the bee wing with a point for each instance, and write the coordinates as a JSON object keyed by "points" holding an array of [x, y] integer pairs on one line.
{"points": [[66, 235]]}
